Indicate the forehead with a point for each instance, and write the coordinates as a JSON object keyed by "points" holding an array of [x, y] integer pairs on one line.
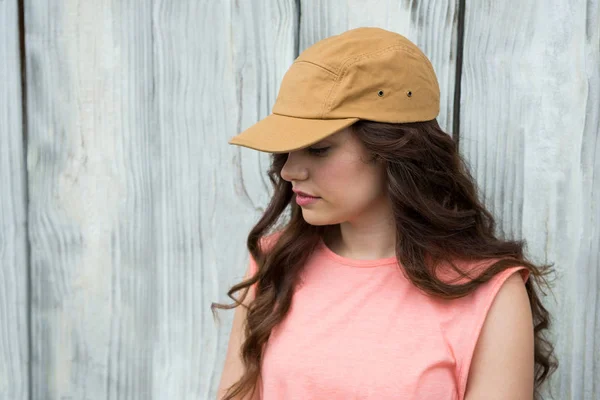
{"points": [[341, 136]]}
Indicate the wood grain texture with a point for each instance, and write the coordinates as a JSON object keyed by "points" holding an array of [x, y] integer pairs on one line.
{"points": [[14, 343], [95, 232], [530, 118], [432, 25], [258, 45], [139, 207]]}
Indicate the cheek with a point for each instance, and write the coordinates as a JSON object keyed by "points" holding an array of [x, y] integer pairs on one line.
{"points": [[352, 184]]}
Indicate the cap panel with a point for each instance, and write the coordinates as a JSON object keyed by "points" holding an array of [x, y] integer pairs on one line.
{"points": [[409, 85], [303, 91], [333, 52]]}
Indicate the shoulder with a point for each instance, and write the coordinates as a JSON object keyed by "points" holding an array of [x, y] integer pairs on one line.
{"points": [[503, 358]]}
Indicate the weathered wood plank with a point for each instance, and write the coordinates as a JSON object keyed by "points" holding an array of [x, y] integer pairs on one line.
{"points": [[530, 126], [139, 207], [432, 25], [14, 337], [95, 223], [255, 44]]}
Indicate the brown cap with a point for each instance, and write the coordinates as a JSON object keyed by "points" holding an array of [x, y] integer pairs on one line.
{"points": [[364, 73]]}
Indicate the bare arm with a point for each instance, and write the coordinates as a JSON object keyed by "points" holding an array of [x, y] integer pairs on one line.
{"points": [[503, 362], [234, 368]]}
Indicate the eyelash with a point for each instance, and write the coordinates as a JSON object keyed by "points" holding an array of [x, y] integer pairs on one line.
{"points": [[318, 151]]}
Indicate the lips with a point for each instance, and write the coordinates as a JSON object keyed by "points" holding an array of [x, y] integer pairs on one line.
{"points": [[302, 194], [304, 200]]}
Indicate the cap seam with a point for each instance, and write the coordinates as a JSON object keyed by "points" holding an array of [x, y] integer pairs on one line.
{"points": [[335, 74], [313, 119], [345, 66], [358, 57], [317, 65]]}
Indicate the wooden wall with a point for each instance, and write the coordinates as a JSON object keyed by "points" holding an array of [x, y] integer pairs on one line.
{"points": [[124, 212], [530, 127], [14, 263]]}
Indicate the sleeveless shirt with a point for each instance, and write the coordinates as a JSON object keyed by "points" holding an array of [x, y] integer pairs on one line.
{"points": [[359, 329]]}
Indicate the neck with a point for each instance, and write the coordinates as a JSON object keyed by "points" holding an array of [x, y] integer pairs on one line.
{"points": [[364, 241]]}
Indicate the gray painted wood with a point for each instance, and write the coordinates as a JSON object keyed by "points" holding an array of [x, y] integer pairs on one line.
{"points": [[14, 346], [96, 187], [139, 207], [530, 125], [259, 44], [432, 25], [254, 57]]}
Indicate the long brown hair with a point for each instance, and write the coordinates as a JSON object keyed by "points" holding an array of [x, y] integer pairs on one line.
{"points": [[439, 219]]}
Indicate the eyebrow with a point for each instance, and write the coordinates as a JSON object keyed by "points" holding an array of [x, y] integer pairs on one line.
{"points": [[327, 140]]}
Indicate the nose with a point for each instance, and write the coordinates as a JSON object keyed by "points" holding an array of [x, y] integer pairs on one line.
{"points": [[294, 168]]}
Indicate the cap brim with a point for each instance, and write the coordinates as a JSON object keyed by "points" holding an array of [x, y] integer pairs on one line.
{"points": [[282, 134]]}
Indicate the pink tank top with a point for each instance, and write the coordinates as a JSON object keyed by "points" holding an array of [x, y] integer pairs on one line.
{"points": [[358, 329]]}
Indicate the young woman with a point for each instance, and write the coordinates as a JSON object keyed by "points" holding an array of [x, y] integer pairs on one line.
{"points": [[387, 281]]}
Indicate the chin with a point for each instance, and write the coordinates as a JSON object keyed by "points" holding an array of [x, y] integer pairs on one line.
{"points": [[313, 218]]}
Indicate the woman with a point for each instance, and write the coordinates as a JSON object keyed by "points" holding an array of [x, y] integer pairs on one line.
{"points": [[388, 281]]}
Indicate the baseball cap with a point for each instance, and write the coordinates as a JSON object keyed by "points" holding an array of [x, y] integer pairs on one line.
{"points": [[364, 73]]}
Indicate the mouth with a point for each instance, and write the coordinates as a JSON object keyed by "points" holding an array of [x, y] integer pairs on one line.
{"points": [[302, 194], [303, 199]]}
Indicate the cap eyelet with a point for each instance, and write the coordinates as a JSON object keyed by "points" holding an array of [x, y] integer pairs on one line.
{"points": [[409, 93], [380, 93]]}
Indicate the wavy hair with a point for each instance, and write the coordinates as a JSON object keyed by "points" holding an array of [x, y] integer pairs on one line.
{"points": [[439, 219]]}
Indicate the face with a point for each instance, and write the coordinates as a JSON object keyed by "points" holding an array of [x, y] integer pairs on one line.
{"points": [[339, 172]]}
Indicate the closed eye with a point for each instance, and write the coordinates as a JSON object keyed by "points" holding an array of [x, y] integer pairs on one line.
{"points": [[318, 151]]}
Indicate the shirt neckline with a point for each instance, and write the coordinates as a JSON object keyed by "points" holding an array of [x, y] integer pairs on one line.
{"points": [[355, 262]]}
